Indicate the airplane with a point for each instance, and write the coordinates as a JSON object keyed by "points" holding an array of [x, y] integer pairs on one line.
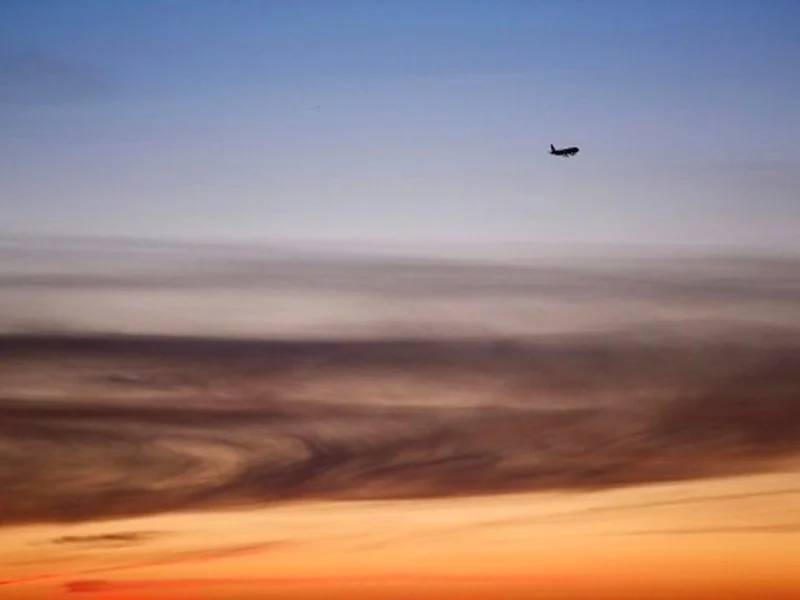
{"points": [[571, 151]]}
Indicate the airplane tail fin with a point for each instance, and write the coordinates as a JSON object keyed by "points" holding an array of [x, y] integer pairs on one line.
{"points": [[552, 148]]}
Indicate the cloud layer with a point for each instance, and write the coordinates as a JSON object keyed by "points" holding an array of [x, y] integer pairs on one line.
{"points": [[96, 428]]}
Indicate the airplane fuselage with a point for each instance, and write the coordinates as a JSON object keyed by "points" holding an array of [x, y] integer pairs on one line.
{"points": [[571, 151]]}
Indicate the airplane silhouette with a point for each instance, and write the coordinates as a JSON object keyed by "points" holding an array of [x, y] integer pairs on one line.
{"points": [[571, 151]]}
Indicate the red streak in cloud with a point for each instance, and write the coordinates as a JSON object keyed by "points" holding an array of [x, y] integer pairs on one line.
{"points": [[182, 559], [102, 585]]}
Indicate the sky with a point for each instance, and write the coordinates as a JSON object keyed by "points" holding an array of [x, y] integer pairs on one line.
{"points": [[417, 122]]}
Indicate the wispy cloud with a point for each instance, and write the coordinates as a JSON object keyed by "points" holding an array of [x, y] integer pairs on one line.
{"points": [[89, 586], [182, 558], [582, 515], [781, 528], [122, 538]]}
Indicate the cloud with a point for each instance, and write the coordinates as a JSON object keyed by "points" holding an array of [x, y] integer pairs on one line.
{"points": [[166, 560], [36, 78], [90, 586], [267, 422], [782, 528], [52, 286], [122, 538]]}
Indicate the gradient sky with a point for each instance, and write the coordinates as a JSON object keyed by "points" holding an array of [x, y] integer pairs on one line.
{"points": [[414, 120]]}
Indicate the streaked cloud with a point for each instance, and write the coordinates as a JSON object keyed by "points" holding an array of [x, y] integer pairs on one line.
{"points": [[249, 423], [121, 538]]}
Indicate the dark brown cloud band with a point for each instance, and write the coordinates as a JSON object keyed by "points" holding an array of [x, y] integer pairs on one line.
{"points": [[149, 426]]}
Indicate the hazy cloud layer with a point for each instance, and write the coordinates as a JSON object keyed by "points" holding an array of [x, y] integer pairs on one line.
{"points": [[101, 428], [91, 287]]}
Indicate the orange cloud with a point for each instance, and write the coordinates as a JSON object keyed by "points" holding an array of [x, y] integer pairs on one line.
{"points": [[188, 558], [93, 586]]}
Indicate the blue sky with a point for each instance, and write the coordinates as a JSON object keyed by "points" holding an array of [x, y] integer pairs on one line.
{"points": [[411, 121]]}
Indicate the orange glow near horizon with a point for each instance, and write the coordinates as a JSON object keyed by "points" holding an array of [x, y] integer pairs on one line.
{"points": [[653, 540]]}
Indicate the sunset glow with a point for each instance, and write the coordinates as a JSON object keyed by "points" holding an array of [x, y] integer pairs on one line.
{"points": [[298, 301]]}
